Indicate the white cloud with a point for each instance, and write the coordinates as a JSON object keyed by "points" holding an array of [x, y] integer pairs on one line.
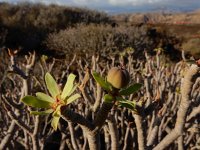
{"points": [[79, 2], [47, 1], [85, 1], [121, 5], [59, 2], [134, 2], [107, 2]]}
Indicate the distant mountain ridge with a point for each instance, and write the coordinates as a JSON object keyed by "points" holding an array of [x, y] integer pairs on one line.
{"points": [[161, 17]]}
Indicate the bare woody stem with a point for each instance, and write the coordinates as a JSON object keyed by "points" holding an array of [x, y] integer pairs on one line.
{"points": [[186, 87], [102, 115], [70, 116], [90, 128], [11, 130], [113, 132], [72, 134], [140, 131]]}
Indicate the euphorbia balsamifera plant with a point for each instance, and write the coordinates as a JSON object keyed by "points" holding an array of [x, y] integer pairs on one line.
{"points": [[53, 103], [116, 84]]}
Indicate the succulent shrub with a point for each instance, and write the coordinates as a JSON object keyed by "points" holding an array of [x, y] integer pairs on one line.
{"points": [[116, 86], [53, 103]]}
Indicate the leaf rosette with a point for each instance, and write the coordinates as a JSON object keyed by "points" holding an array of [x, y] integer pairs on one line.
{"points": [[53, 103]]}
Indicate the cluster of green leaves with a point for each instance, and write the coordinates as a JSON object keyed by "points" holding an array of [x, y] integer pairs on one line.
{"points": [[114, 94], [53, 103]]}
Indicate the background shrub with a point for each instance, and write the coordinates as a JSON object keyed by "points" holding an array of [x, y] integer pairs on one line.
{"points": [[106, 39], [29, 24], [192, 46]]}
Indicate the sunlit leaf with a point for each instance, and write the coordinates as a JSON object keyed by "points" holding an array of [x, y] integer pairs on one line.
{"points": [[72, 98], [68, 86], [105, 85], [108, 98], [44, 97], [128, 104], [52, 85], [46, 112], [131, 89], [73, 89], [57, 111], [54, 122], [44, 57], [56, 116], [178, 90], [35, 102]]}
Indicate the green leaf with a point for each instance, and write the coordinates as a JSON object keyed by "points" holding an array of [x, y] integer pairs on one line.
{"points": [[46, 112], [44, 57], [108, 98], [52, 85], [73, 89], [35, 102], [45, 97], [105, 85], [72, 98], [128, 104], [57, 112], [54, 122], [131, 89], [118, 98], [56, 117], [68, 86], [190, 61]]}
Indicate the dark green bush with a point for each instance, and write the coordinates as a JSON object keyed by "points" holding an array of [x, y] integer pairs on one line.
{"points": [[50, 18], [28, 24]]}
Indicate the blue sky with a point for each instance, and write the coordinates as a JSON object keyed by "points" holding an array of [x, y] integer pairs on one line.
{"points": [[123, 6]]}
